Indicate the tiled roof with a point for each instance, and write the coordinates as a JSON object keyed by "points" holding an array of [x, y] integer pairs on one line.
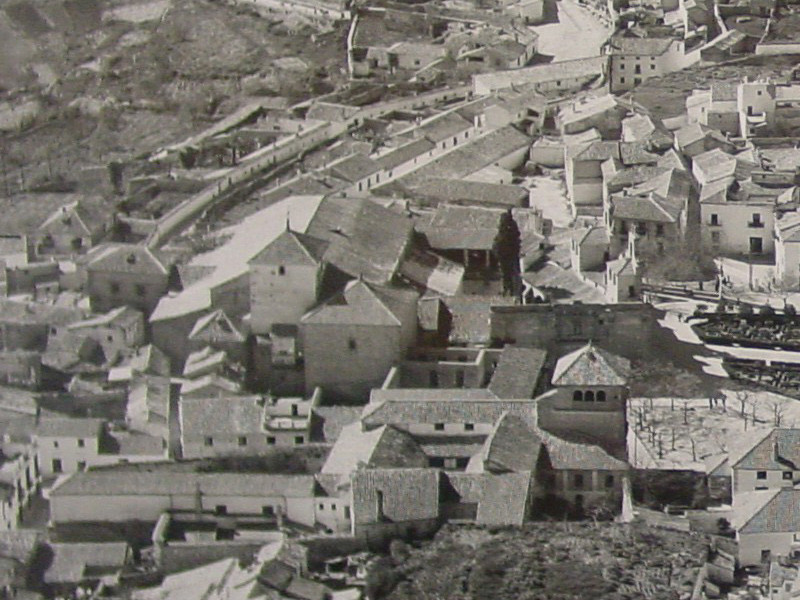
{"points": [[433, 272], [204, 361], [354, 168], [408, 494], [599, 151], [291, 248], [236, 415], [690, 133], [639, 46], [69, 428], [403, 154], [779, 450], [512, 446], [648, 207], [471, 317], [518, 372], [559, 70], [471, 156], [359, 304], [216, 327], [768, 511], [636, 153], [71, 562], [567, 455], [715, 164], [113, 482], [364, 238], [456, 227], [458, 190], [208, 385], [591, 366], [594, 235], [444, 127], [335, 419], [35, 312], [383, 447], [505, 499], [126, 258], [133, 443], [724, 91], [81, 217], [789, 227]]}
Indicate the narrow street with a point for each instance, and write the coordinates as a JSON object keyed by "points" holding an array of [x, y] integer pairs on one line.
{"points": [[578, 33]]}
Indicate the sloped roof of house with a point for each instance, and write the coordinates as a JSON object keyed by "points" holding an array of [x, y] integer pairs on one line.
{"points": [[208, 579], [69, 427], [361, 304], [354, 168], [81, 217], [71, 561], [513, 446], [621, 266], [126, 258], [518, 372], [291, 248], [504, 499], [715, 164], [559, 70], [444, 127], [645, 207], [568, 455], [636, 153], [120, 482], [723, 91], [463, 227], [639, 46], [383, 447], [767, 511], [591, 366], [408, 494], [208, 384], [236, 415], [478, 192], [203, 361], [148, 399], [405, 153], [364, 238], [216, 326], [594, 151], [122, 315], [788, 227], [432, 272], [779, 449], [594, 235]]}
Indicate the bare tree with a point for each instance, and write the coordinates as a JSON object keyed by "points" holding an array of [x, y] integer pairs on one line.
{"points": [[743, 397]]}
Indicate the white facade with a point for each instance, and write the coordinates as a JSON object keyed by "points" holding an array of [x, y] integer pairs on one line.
{"points": [[738, 227]]}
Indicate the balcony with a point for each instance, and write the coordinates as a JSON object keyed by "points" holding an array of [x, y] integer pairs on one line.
{"points": [[714, 223], [757, 119], [755, 224]]}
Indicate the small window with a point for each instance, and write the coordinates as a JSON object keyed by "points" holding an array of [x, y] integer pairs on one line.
{"points": [[609, 481], [787, 475], [322, 506], [281, 270], [221, 509], [270, 441], [601, 396], [81, 465], [209, 441], [242, 440], [652, 67], [433, 379], [577, 481], [469, 426], [715, 219], [577, 396], [715, 237], [299, 439], [761, 475], [81, 443], [622, 80], [268, 511], [346, 512], [352, 345], [55, 443], [438, 426], [588, 396], [114, 287], [140, 290], [333, 507], [57, 468]]}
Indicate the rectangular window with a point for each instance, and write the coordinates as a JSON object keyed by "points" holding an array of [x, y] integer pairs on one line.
{"points": [[469, 426], [270, 441], [268, 511], [56, 465], [81, 465], [55, 443], [714, 219], [299, 439], [242, 440], [577, 481], [221, 509], [352, 345], [346, 512], [438, 426], [715, 237], [761, 475], [81, 443], [637, 80], [609, 481], [787, 475], [209, 441]]}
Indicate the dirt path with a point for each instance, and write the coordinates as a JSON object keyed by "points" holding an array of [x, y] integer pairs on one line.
{"points": [[577, 34]]}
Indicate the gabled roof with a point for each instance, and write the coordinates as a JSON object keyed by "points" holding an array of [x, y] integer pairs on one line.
{"points": [[359, 304], [518, 372], [591, 366], [405, 153], [789, 227], [382, 447], [477, 192], [595, 151], [504, 500], [408, 494], [639, 46], [768, 511], [444, 127], [74, 562], [126, 258], [646, 207], [354, 168], [594, 235], [513, 446], [216, 326], [779, 449], [291, 248], [463, 227], [81, 217]]}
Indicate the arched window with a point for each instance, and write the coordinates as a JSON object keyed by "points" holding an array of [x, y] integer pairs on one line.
{"points": [[589, 396], [577, 396], [601, 396]]}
